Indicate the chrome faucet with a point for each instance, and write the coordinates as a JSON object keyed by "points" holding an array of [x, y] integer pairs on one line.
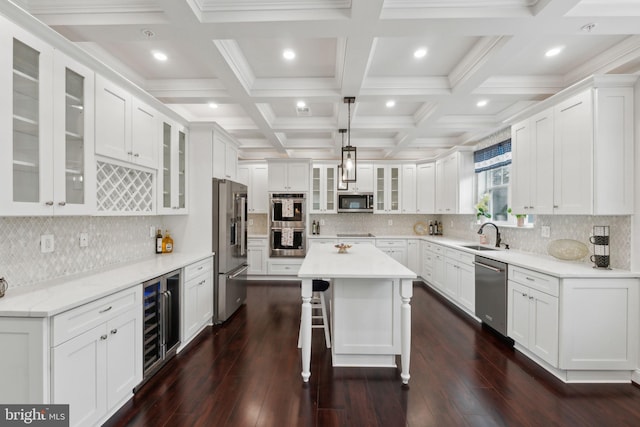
{"points": [[498, 239]]}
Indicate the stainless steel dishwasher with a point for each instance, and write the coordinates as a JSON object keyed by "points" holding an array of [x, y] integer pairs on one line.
{"points": [[491, 293]]}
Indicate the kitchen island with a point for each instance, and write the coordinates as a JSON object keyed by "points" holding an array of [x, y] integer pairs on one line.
{"points": [[370, 311]]}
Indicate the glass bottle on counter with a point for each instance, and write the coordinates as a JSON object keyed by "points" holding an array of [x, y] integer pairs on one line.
{"points": [[159, 242], [167, 243], [314, 227]]}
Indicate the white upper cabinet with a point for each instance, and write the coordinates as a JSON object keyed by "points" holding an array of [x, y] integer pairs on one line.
{"points": [[576, 156], [323, 189], [225, 155], [532, 165], [364, 178], [408, 193], [386, 196], [454, 183], [173, 169], [288, 176], [254, 176], [46, 113], [573, 155], [426, 188], [126, 128]]}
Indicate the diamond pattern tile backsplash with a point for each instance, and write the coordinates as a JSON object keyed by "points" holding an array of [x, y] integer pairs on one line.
{"points": [[112, 240]]}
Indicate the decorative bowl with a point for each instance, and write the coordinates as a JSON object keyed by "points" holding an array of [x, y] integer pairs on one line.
{"points": [[568, 249], [342, 248]]}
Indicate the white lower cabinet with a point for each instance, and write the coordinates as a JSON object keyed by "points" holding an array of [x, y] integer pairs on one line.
{"points": [[532, 321], [413, 256], [395, 248], [459, 279], [96, 370], [599, 324], [284, 266], [257, 255], [197, 309]]}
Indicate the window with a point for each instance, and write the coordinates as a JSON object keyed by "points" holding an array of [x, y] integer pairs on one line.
{"points": [[493, 173], [493, 192]]}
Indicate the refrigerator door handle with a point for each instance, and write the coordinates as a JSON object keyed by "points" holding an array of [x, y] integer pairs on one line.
{"points": [[243, 225], [238, 272]]}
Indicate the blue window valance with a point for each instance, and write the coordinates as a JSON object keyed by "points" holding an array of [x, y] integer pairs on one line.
{"points": [[493, 157]]}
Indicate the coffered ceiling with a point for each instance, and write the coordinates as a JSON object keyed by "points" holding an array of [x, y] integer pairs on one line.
{"points": [[230, 53]]}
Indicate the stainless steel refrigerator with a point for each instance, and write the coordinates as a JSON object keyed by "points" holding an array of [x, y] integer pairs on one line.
{"points": [[230, 247]]}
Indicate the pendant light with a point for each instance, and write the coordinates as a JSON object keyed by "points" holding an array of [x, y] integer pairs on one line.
{"points": [[349, 152]]}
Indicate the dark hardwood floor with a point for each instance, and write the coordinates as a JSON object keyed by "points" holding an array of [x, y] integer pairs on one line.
{"points": [[247, 373]]}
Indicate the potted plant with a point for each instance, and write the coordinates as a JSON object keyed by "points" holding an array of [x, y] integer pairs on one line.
{"points": [[519, 217], [482, 207]]}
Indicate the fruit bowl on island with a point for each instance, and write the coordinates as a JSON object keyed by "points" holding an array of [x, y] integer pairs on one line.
{"points": [[342, 248]]}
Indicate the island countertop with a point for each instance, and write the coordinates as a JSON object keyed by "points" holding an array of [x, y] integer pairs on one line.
{"points": [[360, 261]]}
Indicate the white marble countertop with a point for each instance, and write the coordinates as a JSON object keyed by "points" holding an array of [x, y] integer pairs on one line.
{"points": [[52, 297], [360, 261], [541, 263]]}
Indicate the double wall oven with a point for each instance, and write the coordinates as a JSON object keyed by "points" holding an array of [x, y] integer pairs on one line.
{"points": [[287, 225]]}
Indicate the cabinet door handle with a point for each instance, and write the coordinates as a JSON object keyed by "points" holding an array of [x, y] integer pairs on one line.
{"points": [[530, 279], [136, 155], [49, 203], [62, 203], [530, 297], [130, 153], [201, 282], [114, 331], [106, 309], [524, 295], [103, 337]]}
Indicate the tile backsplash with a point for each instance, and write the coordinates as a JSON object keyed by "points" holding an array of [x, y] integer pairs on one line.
{"points": [[464, 227], [112, 240]]}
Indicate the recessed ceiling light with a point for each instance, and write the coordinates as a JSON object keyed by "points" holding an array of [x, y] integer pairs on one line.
{"points": [[420, 53], [160, 56], [288, 54], [391, 103], [213, 105], [301, 104], [482, 103], [554, 51]]}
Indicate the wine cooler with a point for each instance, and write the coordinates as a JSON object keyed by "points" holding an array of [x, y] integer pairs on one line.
{"points": [[161, 335]]}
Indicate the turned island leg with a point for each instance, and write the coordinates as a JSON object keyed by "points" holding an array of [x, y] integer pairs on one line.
{"points": [[305, 327], [406, 292]]}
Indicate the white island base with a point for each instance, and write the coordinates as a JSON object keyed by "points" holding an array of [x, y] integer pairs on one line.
{"points": [[370, 312]]}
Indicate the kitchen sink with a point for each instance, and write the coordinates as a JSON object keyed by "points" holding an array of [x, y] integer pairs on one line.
{"points": [[479, 248]]}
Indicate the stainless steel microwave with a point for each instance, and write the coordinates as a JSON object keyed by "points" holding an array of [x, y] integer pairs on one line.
{"points": [[355, 202]]}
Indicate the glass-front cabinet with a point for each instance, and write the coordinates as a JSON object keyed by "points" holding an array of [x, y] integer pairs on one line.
{"points": [[323, 189], [46, 111], [387, 189], [173, 170]]}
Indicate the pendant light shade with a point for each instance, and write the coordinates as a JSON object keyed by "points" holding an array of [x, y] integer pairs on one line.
{"points": [[349, 156]]}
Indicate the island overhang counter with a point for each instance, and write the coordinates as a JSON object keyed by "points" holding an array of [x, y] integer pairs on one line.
{"points": [[370, 306]]}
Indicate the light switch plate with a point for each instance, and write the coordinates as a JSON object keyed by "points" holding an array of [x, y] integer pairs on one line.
{"points": [[46, 243], [545, 231], [390, 222]]}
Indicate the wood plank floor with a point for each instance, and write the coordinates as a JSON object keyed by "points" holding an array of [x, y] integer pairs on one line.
{"points": [[247, 373]]}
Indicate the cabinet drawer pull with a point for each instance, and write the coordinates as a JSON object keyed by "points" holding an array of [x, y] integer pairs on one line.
{"points": [[524, 295], [136, 155], [530, 279], [201, 282], [106, 309], [130, 153], [49, 203], [114, 331], [103, 337]]}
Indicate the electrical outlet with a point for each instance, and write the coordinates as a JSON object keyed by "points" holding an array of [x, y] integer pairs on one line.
{"points": [[250, 222], [390, 222], [545, 231], [472, 225], [451, 223], [84, 239], [152, 231], [322, 222], [46, 243]]}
